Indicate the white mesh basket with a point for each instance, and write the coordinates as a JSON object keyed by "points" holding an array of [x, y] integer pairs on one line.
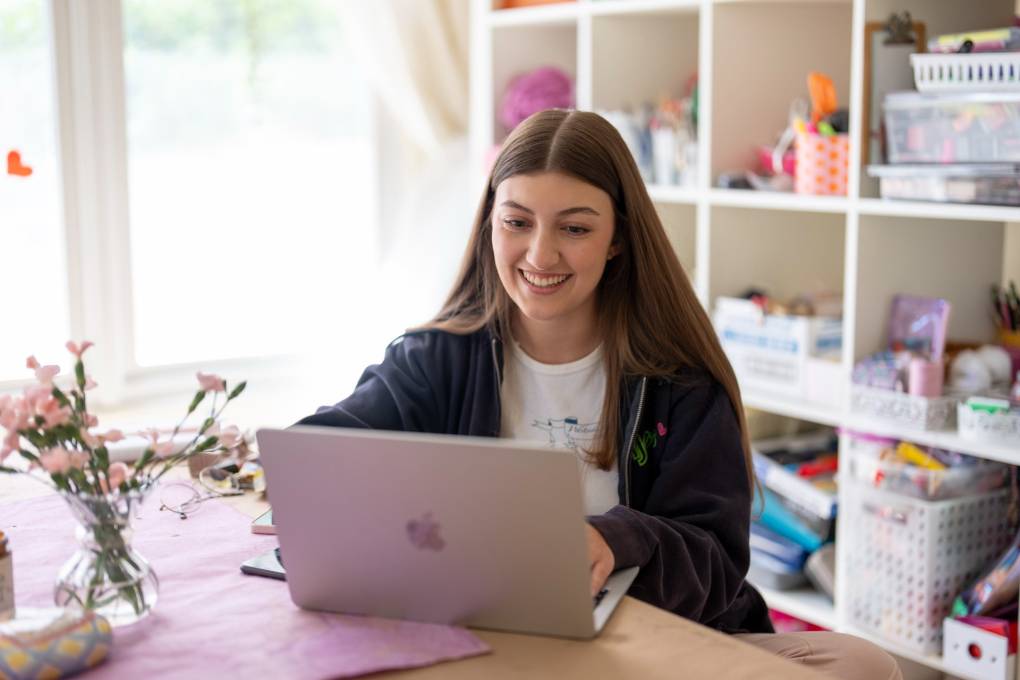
{"points": [[974, 72], [910, 558]]}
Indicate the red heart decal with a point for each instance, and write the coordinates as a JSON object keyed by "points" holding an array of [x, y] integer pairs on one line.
{"points": [[15, 167]]}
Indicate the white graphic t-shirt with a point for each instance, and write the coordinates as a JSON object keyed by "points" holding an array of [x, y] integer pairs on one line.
{"points": [[559, 404]]}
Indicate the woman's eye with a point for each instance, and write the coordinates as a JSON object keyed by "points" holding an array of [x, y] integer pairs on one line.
{"points": [[575, 230], [514, 224]]}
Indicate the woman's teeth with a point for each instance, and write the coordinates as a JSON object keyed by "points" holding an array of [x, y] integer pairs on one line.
{"points": [[544, 281]]}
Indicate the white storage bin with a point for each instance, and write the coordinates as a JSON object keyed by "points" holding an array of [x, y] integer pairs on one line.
{"points": [[1003, 428], [970, 72], [907, 410], [911, 557], [771, 352], [970, 652]]}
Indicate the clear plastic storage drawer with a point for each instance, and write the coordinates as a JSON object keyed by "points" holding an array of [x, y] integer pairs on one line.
{"points": [[953, 128]]}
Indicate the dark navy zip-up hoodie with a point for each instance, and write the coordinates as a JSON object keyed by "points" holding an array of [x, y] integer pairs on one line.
{"points": [[685, 502]]}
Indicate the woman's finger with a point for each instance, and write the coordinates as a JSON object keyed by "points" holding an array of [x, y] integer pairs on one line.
{"points": [[599, 573]]}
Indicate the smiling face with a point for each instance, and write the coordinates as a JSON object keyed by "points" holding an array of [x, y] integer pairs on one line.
{"points": [[552, 235]]}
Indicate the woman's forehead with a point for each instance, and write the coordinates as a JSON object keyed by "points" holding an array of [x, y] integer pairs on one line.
{"points": [[553, 191]]}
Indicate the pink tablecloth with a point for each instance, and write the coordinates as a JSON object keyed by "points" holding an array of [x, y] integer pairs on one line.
{"points": [[211, 620]]}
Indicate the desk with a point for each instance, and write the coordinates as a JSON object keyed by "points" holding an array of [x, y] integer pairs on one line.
{"points": [[640, 641]]}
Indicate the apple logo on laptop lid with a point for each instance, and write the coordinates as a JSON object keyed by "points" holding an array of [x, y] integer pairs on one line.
{"points": [[424, 533]]}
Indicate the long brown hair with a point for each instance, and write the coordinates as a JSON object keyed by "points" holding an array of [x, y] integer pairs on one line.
{"points": [[651, 321]]}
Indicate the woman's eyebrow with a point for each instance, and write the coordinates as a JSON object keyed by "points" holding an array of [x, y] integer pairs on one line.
{"points": [[568, 211]]}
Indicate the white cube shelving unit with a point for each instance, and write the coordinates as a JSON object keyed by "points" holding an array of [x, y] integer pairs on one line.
{"points": [[752, 57]]}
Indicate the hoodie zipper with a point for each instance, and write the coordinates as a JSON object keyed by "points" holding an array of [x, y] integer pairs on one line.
{"points": [[630, 445], [499, 383]]}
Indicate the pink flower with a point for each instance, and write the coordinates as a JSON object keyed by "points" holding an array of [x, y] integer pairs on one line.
{"points": [[117, 473], [228, 437], [46, 374], [91, 440], [112, 436], [90, 384], [54, 414], [162, 449], [11, 442], [209, 382], [79, 459], [55, 460], [77, 351], [91, 420], [32, 363]]}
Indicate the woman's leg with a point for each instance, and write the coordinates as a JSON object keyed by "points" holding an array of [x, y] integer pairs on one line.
{"points": [[833, 654]]}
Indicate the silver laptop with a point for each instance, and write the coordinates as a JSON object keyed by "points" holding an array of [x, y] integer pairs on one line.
{"points": [[473, 531]]}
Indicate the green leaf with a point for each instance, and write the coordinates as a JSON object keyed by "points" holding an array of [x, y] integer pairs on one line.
{"points": [[237, 390], [207, 444], [147, 455], [8, 470], [60, 396], [79, 374], [206, 424], [28, 455], [199, 396], [102, 457], [78, 477]]}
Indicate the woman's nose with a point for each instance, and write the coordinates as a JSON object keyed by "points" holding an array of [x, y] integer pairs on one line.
{"points": [[543, 252]]}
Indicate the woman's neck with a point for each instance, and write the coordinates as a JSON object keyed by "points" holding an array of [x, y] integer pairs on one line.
{"points": [[556, 342]]}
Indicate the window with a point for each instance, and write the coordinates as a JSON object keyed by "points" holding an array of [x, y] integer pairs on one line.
{"points": [[217, 198], [249, 176], [33, 268]]}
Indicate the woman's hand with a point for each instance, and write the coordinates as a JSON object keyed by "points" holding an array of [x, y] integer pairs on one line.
{"points": [[600, 558]]}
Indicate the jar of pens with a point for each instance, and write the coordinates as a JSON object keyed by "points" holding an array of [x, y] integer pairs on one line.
{"points": [[812, 155], [1006, 311]]}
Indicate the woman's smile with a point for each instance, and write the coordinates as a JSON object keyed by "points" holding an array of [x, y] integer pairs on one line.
{"points": [[544, 284]]}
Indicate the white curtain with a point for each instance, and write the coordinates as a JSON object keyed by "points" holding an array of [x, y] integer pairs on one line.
{"points": [[415, 55]]}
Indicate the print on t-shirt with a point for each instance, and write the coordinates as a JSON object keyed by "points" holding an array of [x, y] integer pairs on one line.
{"points": [[567, 433]]}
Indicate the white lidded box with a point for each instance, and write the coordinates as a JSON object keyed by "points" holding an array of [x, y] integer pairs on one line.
{"points": [[1003, 428], [911, 557], [771, 352], [976, 654]]}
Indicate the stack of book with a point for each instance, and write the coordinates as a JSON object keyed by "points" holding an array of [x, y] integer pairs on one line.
{"points": [[795, 512]]}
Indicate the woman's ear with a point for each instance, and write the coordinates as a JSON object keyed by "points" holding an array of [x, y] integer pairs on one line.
{"points": [[614, 250]]}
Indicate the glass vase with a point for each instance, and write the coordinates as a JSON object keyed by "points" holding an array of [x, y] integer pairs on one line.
{"points": [[106, 574]]}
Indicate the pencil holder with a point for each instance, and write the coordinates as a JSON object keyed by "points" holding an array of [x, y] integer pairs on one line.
{"points": [[1009, 338], [822, 163]]}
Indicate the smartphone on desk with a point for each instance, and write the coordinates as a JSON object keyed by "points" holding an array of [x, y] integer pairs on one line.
{"points": [[268, 564], [263, 524]]}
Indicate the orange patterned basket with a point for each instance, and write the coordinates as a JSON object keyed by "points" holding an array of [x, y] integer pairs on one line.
{"points": [[822, 163]]}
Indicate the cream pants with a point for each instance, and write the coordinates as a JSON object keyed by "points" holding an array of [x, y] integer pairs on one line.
{"points": [[832, 654]]}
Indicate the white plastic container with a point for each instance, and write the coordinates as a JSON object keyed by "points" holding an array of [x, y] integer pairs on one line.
{"points": [[905, 410], [970, 652], [1001, 428], [868, 467], [952, 128], [995, 184], [911, 557], [771, 352], [971, 72]]}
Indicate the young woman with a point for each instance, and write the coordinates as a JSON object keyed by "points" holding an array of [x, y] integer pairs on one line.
{"points": [[572, 322]]}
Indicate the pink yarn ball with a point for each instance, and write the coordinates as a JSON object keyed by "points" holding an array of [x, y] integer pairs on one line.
{"points": [[544, 88]]}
